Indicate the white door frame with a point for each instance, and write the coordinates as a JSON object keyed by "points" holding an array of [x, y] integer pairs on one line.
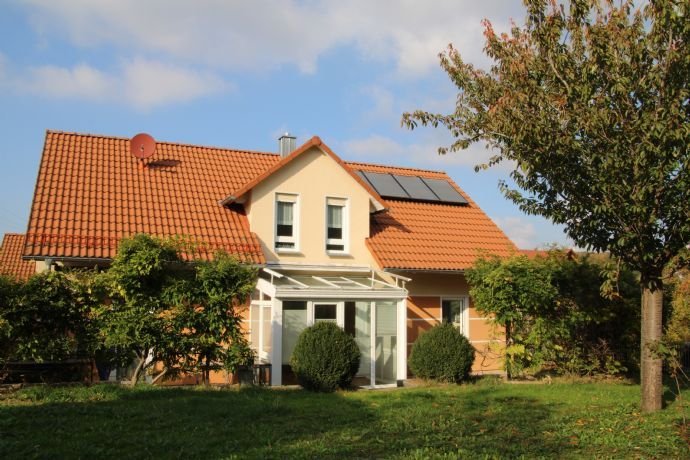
{"points": [[401, 334]]}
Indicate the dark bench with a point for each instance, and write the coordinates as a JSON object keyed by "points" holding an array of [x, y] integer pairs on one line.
{"points": [[69, 370]]}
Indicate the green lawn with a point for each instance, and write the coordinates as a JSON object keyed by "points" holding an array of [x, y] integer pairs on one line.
{"points": [[483, 420]]}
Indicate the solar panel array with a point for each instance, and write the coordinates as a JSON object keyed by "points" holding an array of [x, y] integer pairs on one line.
{"points": [[412, 188]]}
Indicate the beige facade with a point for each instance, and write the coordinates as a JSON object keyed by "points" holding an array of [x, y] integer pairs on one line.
{"points": [[311, 179]]}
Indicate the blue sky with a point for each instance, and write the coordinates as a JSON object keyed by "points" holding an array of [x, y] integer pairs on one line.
{"points": [[238, 74]]}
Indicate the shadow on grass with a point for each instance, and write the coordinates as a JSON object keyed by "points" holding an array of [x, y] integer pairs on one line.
{"points": [[259, 423]]}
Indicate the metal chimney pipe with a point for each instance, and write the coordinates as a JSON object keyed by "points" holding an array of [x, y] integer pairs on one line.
{"points": [[286, 144]]}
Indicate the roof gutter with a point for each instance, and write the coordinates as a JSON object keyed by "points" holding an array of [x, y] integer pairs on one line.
{"points": [[459, 271], [69, 259]]}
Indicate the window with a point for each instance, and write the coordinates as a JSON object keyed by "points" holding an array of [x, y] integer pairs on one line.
{"points": [[325, 312], [336, 232], [287, 218], [260, 324], [294, 322], [454, 313]]}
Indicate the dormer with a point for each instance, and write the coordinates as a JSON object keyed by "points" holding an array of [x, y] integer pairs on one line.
{"points": [[311, 208]]}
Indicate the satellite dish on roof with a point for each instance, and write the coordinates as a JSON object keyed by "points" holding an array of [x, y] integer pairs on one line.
{"points": [[142, 146]]}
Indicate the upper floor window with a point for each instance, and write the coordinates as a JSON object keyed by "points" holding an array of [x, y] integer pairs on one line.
{"points": [[287, 218], [336, 225]]}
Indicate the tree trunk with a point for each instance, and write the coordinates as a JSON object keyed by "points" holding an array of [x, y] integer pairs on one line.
{"points": [[159, 376], [651, 364], [508, 343], [137, 371]]}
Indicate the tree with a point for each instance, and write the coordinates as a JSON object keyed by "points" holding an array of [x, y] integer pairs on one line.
{"points": [[678, 327], [207, 314], [45, 318], [555, 314], [182, 315], [591, 104], [512, 291], [134, 317]]}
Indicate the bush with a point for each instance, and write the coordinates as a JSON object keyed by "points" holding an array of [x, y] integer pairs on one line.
{"points": [[442, 354], [325, 358]]}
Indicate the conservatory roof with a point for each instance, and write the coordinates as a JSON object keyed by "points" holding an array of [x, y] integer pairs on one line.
{"points": [[353, 284]]}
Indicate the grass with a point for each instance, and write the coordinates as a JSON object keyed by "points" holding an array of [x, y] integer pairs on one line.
{"points": [[483, 420]]}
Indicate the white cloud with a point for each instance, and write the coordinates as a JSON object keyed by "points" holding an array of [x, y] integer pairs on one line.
{"points": [[534, 232], [382, 149], [146, 84], [81, 81], [266, 34], [520, 231], [140, 83]]}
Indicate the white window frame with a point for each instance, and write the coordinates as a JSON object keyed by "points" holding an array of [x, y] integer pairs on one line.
{"points": [[263, 304], [465, 314], [345, 240], [294, 239]]}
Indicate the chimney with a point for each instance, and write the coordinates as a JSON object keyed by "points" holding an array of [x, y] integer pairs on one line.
{"points": [[286, 145]]}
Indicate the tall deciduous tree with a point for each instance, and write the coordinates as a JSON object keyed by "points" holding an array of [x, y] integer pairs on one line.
{"points": [[591, 102]]}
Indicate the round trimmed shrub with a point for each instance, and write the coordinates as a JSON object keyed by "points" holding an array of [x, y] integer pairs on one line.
{"points": [[325, 358], [443, 354]]}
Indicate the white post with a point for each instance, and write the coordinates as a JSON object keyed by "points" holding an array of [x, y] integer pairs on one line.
{"points": [[402, 340], [277, 342], [372, 350]]}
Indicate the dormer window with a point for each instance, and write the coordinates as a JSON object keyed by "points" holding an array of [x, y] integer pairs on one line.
{"points": [[287, 218], [336, 225]]}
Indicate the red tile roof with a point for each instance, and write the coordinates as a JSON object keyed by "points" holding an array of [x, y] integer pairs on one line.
{"points": [[11, 262], [91, 192], [534, 253], [313, 142], [432, 236], [543, 253]]}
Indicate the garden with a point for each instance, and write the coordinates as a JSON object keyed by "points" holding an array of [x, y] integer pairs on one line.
{"points": [[482, 419]]}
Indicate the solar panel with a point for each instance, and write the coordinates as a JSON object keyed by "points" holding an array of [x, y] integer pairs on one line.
{"points": [[444, 191], [385, 185], [363, 177], [416, 188]]}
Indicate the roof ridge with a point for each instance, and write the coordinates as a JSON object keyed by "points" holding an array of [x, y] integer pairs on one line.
{"points": [[408, 168], [179, 144]]}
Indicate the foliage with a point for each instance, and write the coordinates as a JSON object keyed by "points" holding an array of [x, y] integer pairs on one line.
{"points": [[442, 354], [561, 322], [238, 355], [9, 289], [44, 318], [512, 292], [561, 420], [207, 313], [325, 358], [591, 103], [134, 318], [678, 326], [184, 316], [676, 342], [150, 306]]}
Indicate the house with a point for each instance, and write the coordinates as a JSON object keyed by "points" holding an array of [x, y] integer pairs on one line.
{"points": [[11, 262], [379, 250]]}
